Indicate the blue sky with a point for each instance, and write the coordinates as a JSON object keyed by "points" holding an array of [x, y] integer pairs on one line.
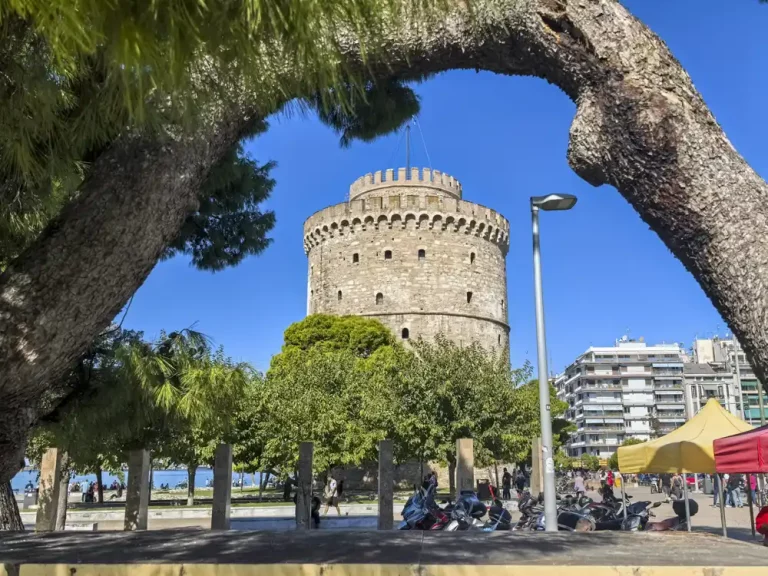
{"points": [[605, 273]]}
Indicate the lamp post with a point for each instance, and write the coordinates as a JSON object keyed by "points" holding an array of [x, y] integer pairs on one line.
{"points": [[550, 202]]}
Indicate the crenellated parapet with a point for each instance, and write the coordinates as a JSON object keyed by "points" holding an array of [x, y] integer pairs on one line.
{"points": [[423, 178], [403, 212]]}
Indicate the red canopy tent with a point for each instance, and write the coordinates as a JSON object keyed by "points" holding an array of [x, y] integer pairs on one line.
{"points": [[745, 453]]}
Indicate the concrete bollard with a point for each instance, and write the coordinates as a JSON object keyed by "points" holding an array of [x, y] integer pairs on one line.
{"points": [[537, 468], [49, 488], [137, 491], [304, 487], [386, 485], [222, 487], [465, 464]]}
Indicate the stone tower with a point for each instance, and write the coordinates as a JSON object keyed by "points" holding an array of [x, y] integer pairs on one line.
{"points": [[410, 252]]}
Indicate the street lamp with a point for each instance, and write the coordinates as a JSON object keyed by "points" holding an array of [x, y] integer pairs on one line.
{"points": [[550, 202]]}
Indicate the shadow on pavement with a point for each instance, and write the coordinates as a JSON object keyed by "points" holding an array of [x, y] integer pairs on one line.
{"points": [[468, 548]]}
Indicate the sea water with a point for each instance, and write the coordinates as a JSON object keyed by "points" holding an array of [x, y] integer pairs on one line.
{"points": [[173, 478]]}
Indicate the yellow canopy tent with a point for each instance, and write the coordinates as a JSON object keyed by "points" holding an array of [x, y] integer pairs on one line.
{"points": [[687, 449]]}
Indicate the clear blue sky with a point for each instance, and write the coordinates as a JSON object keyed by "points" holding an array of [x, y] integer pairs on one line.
{"points": [[605, 273]]}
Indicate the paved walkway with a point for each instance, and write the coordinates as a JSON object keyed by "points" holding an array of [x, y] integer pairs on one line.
{"points": [[382, 548]]}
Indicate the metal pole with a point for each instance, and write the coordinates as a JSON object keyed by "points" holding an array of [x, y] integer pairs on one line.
{"points": [[749, 503], [408, 150], [738, 379], [623, 497], [722, 504], [687, 505], [550, 503]]}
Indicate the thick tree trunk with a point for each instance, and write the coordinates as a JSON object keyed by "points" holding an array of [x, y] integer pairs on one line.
{"points": [[452, 477], [99, 485], [640, 126], [191, 471], [262, 483], [10, 517]]}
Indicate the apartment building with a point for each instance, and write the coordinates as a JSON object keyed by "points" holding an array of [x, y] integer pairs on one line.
{"points": [[720, 369], [630, 390]]}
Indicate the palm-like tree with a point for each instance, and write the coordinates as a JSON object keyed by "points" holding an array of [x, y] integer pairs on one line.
{"points": [[198, 391]]}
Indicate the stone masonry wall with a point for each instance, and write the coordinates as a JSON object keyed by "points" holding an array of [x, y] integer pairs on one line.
{"points": [[414, 256]]}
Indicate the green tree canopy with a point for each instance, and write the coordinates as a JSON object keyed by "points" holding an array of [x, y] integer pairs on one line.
{"points": [[613, 461], [355, 334]]}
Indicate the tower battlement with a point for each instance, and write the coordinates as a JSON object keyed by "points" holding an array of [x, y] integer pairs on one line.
{"points": [[418, 177], [412, 253]]}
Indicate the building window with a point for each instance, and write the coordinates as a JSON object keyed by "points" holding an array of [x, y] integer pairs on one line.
{"points": [[422, 254], [387, 254], [405, 334], [379, 298], [499, 338], [502, 306], [471, 257], [339, 295], [355, 258], [469, 297]]}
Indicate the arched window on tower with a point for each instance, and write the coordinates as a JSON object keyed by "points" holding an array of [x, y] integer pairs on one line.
{"points": [[339, 295], [379, 298], [471, 257], [422, 254], [469, 297], [387, 254], [355, 258], [405, 334]]}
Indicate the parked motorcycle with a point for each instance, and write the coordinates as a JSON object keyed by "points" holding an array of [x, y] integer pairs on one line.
{"points": [[466, 513], [421, 512]]}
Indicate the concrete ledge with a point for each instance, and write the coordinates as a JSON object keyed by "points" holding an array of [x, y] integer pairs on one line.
{"points": [[369, 570], [382, 551]]}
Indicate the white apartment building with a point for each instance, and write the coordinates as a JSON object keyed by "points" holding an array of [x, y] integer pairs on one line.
{"points": [[630, 390], [715, 373]]}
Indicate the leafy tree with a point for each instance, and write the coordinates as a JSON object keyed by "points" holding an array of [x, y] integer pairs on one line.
{"points": [[198, 391], [655, 424], [590, 462], [441, 392], [613, 461], [358, 335]]}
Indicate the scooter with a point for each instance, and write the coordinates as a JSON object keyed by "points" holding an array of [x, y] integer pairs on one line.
{"points": [[466, 512]]}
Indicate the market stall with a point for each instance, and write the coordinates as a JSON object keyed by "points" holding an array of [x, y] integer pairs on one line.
{"points": [[688, 449], [745, 453]]}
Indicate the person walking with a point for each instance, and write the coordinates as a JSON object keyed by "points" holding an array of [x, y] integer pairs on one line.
{"points": [[666, 484], [716, 491], [506, 484], [753, 489], [578, 485], [331, 495], [520, 481], [734, 491]]}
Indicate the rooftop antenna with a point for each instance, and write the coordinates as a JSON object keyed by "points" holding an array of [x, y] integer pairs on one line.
{"points": [[408, 149]]}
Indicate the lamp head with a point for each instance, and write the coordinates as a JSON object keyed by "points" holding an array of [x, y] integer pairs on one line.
{"points": [[554, 202]]}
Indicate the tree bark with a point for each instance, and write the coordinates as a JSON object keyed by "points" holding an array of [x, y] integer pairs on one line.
{"points": [[640, 126], [61, 506], [452, 477], [191, 472], [99, 484], [10, 517]]}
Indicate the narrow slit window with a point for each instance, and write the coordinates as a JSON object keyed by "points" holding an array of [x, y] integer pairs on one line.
{"points": [[379, 298], [387, 254], [469, 297], [405, 334], [355, 258], [499, 338], [471, 257], [339, 295], [422, 254]]}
